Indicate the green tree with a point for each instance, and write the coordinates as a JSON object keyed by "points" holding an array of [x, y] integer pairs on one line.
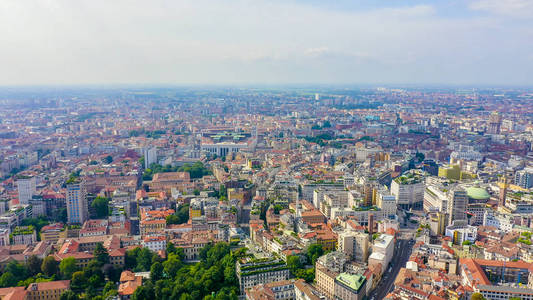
{"points": [[69, 295], [78, 282], [100, 254], [7, 279], [314, 251], [34, 265], [108, 159], [172, 265], [156, 272], [144, 292], [144, 259], [67, 267], [477, 296], [49, 266], [100, 206]]}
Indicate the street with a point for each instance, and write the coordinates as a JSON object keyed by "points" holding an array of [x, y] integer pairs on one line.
{"points": [[401, 256]]}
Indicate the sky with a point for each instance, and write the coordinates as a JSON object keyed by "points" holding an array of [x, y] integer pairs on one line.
{"points": [[452, 42]]}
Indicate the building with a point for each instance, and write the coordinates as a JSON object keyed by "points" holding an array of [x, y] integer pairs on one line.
{"points": [[524, 178], [501, 221], [155, 242], [457, 202], [26, 189], [409, 191], [129, 282], [387, 203], [384, 245], [354, 244], [305, 291], [495, 122], [325, 280], [150, 156], [261, 271], [24, 235], [350, 287], [4, 237], [460, 232], [277, 290], [77, 204], [51, 290], [497, 279]]}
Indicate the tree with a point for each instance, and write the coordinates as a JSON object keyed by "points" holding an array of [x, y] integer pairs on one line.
{"points": [[78, 281], [69, 295], [314, 251], [181, 216], [100, 206], [144, 259], [67, 267], [7, 279], [144, 292], [112, 273], [156, 271], [34, 265], [477, 296], [18, 270], [100, 254], [172, 265], [49, 266], [108, 159], [294, 263]]}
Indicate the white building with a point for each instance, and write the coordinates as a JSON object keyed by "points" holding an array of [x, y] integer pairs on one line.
{"points": [[501, 221], [77, 205], [150, 156], [384, 244], [387, 203], [409, 191], [462, 232], [4, 237], [155, 242], [26, 189]]}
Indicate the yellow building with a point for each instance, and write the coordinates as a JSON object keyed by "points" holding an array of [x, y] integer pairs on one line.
{"points": [[51, 290]]}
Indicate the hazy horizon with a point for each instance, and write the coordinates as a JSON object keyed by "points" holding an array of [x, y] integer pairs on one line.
{"points": [[267, 43]]}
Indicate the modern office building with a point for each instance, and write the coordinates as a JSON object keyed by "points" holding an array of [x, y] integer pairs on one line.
{"points": [[524, 178], [457, 203], [77, 204], [150, 156], [26, 189]]}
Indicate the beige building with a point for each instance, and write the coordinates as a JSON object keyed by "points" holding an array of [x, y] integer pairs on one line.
{"points": [[354, 244]]}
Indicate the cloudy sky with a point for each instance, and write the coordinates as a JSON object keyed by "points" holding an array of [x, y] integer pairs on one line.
{"points": [[466, 42]]}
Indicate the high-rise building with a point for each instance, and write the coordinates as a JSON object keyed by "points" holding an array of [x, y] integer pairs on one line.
{"points": [[457, 202], [26, 189], [524, 178], [368, 192], [150, 156], [77, 204], [495, 122], [354, 244]]}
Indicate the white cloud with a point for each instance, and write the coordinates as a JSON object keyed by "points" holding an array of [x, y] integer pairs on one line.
{"points": [[513, 8], [251, 41]]}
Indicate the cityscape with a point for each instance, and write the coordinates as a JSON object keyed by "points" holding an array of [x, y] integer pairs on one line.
{"points": [[266, 150], [265, 193]]}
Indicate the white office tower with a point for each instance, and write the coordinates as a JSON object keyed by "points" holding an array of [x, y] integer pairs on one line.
{"points": [[26, 189], [77, 204], [150, 156]]}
